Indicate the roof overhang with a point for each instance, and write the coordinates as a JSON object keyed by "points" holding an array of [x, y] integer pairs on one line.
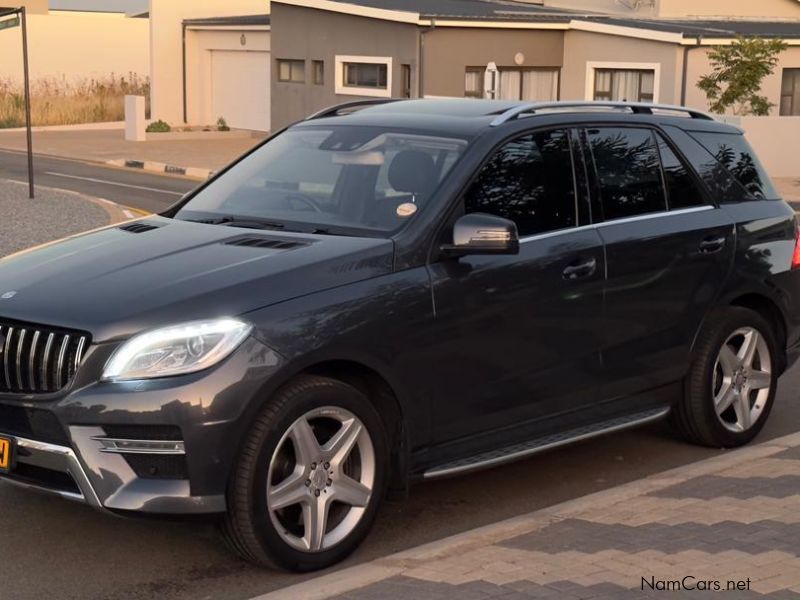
{"points": [[587, 24]]}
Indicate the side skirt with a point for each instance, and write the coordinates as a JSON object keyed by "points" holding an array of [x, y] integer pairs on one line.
{"points": [[542, 444]]}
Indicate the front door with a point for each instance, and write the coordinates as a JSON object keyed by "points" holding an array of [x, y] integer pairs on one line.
{"points": [[518, 337]]}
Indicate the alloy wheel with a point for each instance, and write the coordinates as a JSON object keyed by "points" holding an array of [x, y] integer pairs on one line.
{"points": [[321, 478], [742, 379]]}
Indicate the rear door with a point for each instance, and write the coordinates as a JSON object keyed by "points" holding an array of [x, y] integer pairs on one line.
{"points": [[669, 250]]}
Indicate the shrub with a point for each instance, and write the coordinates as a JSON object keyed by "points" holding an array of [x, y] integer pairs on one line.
{"points": [[222, 124], [159, 127], [56, 101]]}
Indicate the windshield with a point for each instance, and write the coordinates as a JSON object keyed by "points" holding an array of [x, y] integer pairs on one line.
{"points": [[362, 180]]}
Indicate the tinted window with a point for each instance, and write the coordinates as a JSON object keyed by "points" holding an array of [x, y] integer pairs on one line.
{"points": [[529, 181], [681, 189], [736, 155], [628, 173]]}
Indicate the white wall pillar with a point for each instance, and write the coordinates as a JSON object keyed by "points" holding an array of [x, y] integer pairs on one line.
{"points": [[134, 119]]}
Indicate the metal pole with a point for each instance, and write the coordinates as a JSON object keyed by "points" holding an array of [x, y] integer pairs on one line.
{"points": [[27, 101]]}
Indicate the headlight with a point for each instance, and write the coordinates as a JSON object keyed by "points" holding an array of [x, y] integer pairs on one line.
{"points": [[176, 350]]}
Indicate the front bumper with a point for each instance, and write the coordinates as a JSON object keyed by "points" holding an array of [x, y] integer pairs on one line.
{"points": [[71, 446]]}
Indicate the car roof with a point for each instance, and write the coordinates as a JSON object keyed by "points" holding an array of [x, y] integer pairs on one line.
{"points": [[467, 117]]}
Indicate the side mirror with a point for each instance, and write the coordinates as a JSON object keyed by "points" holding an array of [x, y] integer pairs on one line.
{"points": [[479, 233]]}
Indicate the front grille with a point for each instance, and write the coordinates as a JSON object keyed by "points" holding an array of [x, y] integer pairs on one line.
{"points": [[35, 359], [32, 423], [46, 478]]}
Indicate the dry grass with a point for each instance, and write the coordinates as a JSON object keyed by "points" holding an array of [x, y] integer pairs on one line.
{"points": [[59, 102]]}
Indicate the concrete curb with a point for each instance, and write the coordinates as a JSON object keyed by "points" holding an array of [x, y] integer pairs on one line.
{"points": [[159, 167], [359, 576]]}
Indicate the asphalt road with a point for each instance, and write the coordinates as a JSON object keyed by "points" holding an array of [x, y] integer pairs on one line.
{"points": [[142, 190], [53, 548]]}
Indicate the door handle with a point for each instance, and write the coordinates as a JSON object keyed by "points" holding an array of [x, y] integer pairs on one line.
{"points": [[711, 245], [579, 270]]}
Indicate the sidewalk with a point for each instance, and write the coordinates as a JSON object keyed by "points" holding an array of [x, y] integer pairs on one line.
{"points": [[734, 518], [54, 214], [200, 150]]}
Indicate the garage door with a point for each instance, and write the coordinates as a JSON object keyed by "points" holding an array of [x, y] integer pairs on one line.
{"points": [[240, 88]]}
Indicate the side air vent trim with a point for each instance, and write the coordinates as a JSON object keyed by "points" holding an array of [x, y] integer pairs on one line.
{"points": [[265, 242], [138, 227]]}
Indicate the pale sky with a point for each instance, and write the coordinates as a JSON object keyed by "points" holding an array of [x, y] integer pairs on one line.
{"points": [[109, 5]]}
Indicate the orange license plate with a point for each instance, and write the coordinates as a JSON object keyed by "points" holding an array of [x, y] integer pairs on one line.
{"points": [[6, 454]]}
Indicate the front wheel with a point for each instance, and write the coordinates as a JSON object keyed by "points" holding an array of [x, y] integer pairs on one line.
{"points": [[310, 477], [732, 381]]}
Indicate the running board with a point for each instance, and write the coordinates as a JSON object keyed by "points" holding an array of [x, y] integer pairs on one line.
{"points": [[518, 451]]}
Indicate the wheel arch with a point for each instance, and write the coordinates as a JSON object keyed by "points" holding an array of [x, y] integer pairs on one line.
{"points": [[383, 396], [769, 310]]}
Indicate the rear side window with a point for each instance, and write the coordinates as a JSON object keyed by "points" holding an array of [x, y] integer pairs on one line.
{"points": [[529, 181], [682, 191], [735, 154], [628, 173]]}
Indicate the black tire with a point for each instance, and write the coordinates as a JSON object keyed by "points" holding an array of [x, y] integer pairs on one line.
{"points": [[247, 527], [695, 417]]}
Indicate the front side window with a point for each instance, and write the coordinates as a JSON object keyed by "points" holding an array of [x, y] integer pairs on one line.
{"points": [[626, 165], [734, 153], [529, 181], [790, 92], [625, 85], [366, 75], [293, 71], [345, 179]]}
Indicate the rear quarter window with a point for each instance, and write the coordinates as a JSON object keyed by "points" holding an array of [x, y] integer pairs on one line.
{"points": [[734, 153]]}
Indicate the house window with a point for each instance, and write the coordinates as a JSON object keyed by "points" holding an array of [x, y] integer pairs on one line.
{"points": [[627, 85], [473, 82], [790, 92], [293, 71], [364, 76], [527, 84], [318, 67], [405, 78]]}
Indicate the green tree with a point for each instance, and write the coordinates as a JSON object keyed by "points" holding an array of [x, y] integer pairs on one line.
{"points": [[738, 70]]}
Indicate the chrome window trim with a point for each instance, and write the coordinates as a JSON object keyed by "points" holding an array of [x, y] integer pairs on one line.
{"points": [[622, 221]]}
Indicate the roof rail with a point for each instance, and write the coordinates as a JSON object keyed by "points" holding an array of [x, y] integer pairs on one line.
{"points": [[335, 111], [635, 107]]}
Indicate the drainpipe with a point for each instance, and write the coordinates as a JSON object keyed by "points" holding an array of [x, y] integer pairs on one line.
{"points": [[183, 43], [685, 75], [421, 68]]}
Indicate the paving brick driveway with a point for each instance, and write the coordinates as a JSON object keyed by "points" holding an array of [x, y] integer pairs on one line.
{"points": [[731, 522]]}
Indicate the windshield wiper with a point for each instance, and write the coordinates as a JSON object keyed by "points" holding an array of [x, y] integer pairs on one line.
{"points": [[241, 222]]}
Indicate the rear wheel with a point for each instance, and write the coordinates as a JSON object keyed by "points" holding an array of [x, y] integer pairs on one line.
{"points": [[731, 384], [310, 477]]}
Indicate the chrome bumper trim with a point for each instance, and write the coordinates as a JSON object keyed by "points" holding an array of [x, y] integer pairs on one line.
{"points": [[123, 446], [73, 467]]}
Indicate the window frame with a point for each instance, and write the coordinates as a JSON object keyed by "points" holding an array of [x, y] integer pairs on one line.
{"points": [[341, 62], [292, 63], [794, 111], [318, 72], [593, 66], [480, 71]]}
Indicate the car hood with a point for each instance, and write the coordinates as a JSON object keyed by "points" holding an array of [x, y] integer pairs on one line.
{"points": [[115, 282]]}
